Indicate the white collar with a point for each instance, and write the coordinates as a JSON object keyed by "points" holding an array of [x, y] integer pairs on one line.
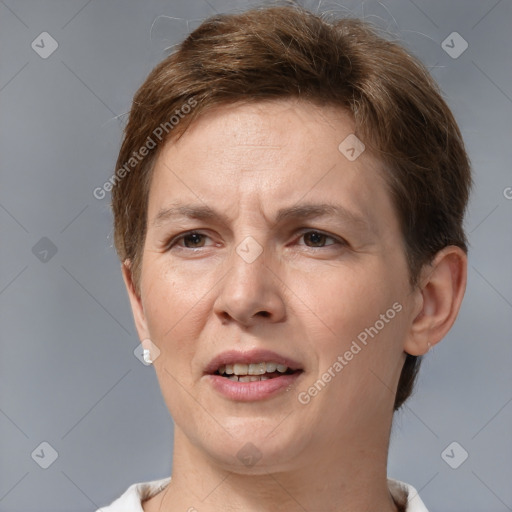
{"points": [[131, 500]]}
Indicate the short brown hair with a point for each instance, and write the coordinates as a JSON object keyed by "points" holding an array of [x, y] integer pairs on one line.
{"points": [[289, 52]]}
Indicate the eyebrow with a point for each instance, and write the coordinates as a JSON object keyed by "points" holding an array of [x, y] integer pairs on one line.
{"points": [[297, 212]]}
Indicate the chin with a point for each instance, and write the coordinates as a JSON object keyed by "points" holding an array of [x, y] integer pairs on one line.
{"points": [[255, 446]]}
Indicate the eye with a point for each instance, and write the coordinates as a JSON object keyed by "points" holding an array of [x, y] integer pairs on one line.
{"points": [[189, 240], [317, 239]]}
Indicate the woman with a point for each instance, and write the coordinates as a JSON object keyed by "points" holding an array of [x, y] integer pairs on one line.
{"points": [[288, 208]]}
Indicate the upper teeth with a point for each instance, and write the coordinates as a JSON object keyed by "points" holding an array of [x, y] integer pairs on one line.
{"points": [[252, 369]]}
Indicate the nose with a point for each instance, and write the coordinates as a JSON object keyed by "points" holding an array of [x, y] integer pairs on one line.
{"points": [[251, 292]]}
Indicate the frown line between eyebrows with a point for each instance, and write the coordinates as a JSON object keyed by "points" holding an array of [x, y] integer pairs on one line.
{"points": [[296, 212]]}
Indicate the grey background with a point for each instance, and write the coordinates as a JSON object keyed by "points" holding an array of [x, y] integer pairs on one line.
{"points": [[68, 373]]}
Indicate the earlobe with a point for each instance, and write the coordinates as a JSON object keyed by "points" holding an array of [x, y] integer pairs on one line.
{"points": [[440, 294], [135, 301]]}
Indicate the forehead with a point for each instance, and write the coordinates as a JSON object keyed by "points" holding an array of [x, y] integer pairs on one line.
{"points": [[289, 124], [268, 155]]}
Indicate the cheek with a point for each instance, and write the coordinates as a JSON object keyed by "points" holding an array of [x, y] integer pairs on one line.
{"points": [[355, 310], [355, 328], [175, 306], [345, 300]]}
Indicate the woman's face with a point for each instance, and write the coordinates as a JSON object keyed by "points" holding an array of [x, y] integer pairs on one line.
{"points": [[267, 243]]}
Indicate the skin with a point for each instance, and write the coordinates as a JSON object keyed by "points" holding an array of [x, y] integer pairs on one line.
{"points": [[307, 296]]}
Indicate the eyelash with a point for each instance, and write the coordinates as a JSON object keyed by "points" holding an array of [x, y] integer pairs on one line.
{"points": [[337, 241]]}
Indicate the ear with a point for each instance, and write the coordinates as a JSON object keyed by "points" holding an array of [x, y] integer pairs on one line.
{"points": [[439, 295], [135, 301]]}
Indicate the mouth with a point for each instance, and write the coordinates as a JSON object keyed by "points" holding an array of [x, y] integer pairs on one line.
{"points": [[254, 372], [251, 376]]}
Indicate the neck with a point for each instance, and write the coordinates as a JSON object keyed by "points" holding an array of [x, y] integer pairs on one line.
{"points": [[352, 477]]}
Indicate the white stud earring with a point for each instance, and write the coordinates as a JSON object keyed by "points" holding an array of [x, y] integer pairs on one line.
{"points": [[150, 351], [147, 356]]}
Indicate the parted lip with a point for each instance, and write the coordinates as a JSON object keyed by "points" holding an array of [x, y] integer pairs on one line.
{"points": [[248, 357]]}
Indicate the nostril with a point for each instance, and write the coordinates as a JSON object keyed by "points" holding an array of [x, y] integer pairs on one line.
{"points": [[264, 314]]}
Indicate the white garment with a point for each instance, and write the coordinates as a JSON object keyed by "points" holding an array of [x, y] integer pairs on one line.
{"points": [[131, 500]]}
